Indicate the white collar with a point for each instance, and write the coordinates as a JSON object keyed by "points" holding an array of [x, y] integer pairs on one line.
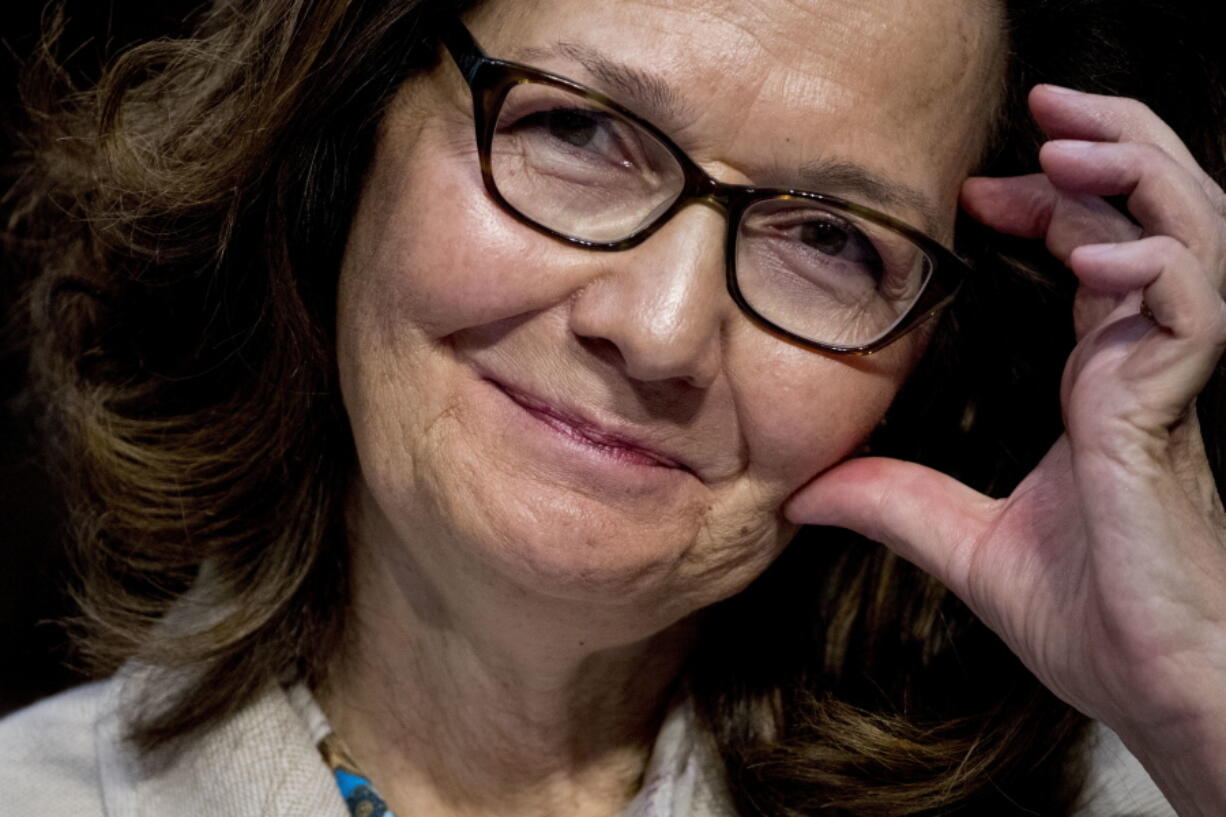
{"points": [[680, 779]]}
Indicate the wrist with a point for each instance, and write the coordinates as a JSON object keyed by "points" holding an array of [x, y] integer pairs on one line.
{"points": [[1186, 757]]}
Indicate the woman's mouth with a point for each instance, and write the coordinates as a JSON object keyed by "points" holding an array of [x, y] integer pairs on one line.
{"points": [[584, 432]]}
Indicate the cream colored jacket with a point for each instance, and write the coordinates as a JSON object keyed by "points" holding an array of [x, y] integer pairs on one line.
{"points": [[64, 756]]}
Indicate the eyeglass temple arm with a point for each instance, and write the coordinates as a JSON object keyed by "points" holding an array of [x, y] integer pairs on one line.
{"points": [[464, 49]]}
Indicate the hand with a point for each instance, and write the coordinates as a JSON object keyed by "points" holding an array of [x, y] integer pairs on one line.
{"points": [[1105, 570]]}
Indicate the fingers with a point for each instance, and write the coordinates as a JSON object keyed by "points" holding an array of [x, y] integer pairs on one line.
{"points": [[1169, 259], [1178, 295], [1063, 206], [1066, 114], [1063, 113], [1144, 370], [1106, 146], [926, 517], [1032, 207], [1163, 197]]}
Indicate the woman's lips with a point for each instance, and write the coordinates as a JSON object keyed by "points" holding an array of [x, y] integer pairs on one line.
{"points": [[583, 431]]}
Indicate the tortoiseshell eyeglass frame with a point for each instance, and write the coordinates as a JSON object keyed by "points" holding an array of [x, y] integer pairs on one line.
{"points": [[490, 80]]}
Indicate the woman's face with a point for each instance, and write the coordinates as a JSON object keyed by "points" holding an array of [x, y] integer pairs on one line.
{"points": [[607, 427]]}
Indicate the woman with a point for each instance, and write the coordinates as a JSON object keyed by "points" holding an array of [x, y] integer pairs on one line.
{"points": [[418, 422]]}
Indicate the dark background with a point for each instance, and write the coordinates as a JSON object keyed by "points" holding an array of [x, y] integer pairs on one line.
{"points": [[34, 655]]}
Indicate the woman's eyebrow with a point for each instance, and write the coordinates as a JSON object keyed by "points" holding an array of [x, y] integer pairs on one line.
{"points": [[856, 182], [649, 95], [652, 97]]}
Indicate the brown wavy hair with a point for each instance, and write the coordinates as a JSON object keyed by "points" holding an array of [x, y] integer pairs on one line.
{"points": [[181, 221]]}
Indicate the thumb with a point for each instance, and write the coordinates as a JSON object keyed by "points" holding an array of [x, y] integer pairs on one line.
{"points": [[926, 517]]}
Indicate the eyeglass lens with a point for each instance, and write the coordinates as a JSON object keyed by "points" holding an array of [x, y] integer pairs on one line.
{"points": [[583, 170]]}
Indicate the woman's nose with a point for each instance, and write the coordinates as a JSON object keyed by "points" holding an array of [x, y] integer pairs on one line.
{"points": [[662, 305]]}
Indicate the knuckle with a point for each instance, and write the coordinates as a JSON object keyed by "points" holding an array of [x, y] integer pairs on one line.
{"points": [[1167, 250], [1133, 109], [1152, 156]]}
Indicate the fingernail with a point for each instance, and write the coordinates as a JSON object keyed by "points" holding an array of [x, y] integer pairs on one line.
{"points": [[1060, 89]]}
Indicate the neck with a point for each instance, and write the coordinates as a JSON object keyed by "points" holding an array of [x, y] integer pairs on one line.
{"points": [[513, 705]]}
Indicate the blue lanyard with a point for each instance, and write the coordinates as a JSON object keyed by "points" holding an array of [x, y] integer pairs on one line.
{"points": [[359, 793]]}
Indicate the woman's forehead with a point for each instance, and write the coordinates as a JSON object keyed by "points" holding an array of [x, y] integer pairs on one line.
{"points": [[772, 86]]}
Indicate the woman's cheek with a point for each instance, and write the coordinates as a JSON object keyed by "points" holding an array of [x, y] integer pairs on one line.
{"points": [[803, 412], [460, 260]]}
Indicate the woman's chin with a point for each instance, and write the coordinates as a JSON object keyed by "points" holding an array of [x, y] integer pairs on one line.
{"points": [[559, 542], [539, 539]]}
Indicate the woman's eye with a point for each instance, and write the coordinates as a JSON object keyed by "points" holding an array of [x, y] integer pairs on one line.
{"points": [[821, 235], [573, 127], [842, 242], [589, 131]]}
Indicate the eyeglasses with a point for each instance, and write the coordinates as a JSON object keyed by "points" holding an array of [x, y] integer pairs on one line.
{"points": [[815, 269]]}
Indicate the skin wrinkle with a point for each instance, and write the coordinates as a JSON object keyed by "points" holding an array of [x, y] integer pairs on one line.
{"points": [[655, 99], [979, 86]]}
